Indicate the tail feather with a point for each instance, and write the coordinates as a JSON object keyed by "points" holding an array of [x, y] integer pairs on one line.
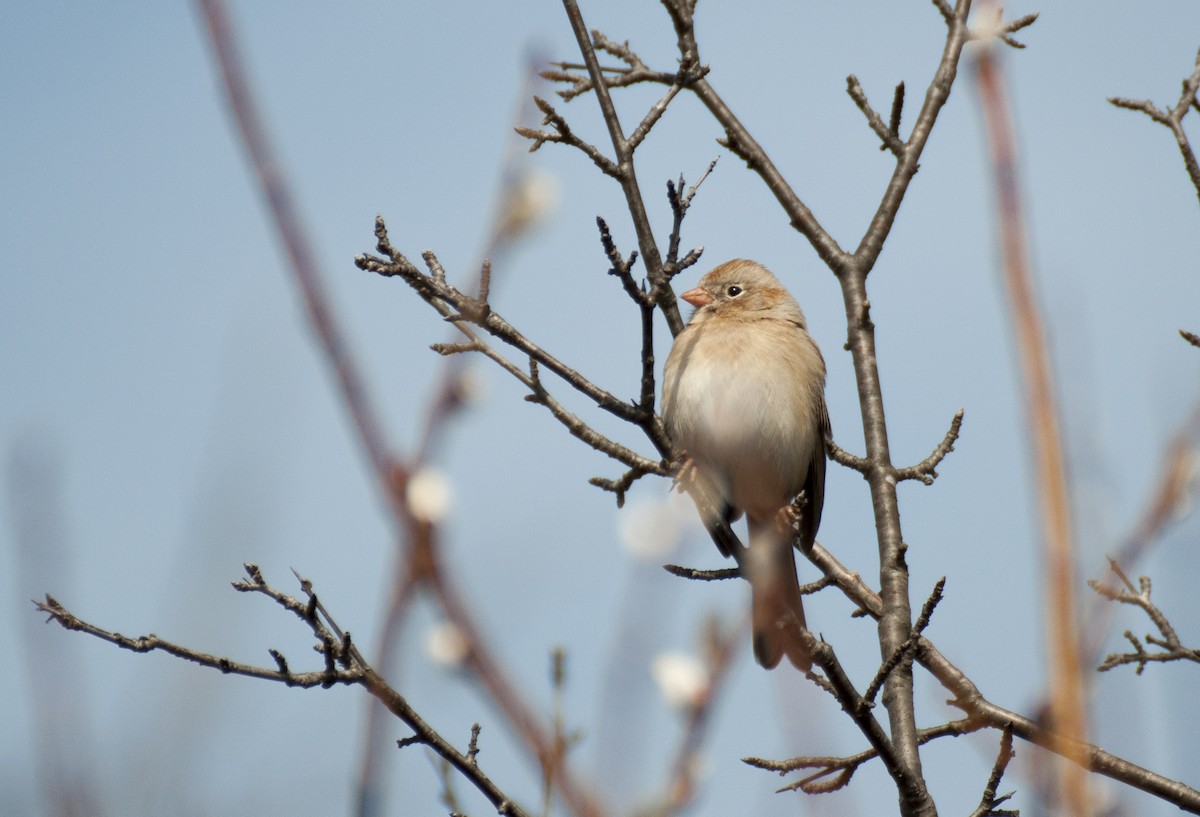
{"points": [[777, 607]]}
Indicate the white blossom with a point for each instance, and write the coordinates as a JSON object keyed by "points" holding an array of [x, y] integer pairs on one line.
{"points": [[652, 528], [528, 199], [445, 645], [680, 677], [429, 495]]}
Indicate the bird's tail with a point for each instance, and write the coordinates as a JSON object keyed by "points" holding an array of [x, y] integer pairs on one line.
{"points": [[777, 608]]}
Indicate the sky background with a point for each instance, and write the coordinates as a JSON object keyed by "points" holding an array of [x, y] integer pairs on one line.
{"points": [[167, 416]]}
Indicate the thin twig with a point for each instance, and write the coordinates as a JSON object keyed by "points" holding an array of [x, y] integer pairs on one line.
{"points": [[458, 307], [680, 202], [843, 457], [996, 28], [623, 150], [616, 77], [925, 470], [897, 112], [1173, 119], [989, 801], [970, 700], [853, 704], [1172, 494], [885, 131], [344, 665], [619, 486], [843, 768], [1170, 646], [704, 575], [563, 134], [906, 652]]}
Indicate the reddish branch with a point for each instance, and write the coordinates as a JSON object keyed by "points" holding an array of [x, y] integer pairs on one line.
{"points": [[1045, 440], [414, 535]]}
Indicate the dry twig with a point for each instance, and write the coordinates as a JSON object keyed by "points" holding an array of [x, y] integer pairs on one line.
{"points": [[1172, 118], [989, 802], [1168, 643], [343, 665]]}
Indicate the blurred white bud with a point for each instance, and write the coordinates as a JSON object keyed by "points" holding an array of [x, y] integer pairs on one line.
{"points": [[429, 495], [446, 645], [986, 22], [472, 388], [680, 677], [651, 528], [528, 199]]}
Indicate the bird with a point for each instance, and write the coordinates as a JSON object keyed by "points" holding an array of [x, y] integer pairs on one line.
{"points": [[744, 398]]}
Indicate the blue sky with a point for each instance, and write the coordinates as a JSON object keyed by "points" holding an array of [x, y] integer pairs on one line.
{"points": [[158, 373]]}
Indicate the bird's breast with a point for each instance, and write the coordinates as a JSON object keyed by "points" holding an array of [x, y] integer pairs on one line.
{"points": [[745, 406]]}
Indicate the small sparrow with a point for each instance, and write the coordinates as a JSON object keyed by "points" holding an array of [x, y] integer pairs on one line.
{"points": [[744, 397]]}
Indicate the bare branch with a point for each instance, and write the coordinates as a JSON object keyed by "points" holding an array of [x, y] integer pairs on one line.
{"points": [[1143, 106], [897, 112], [909, 648], [655, 113], [623, 149], [989, 801], [680, 202], [852, 271], [704, 575], [563, 134], [842, 769], [1016, 25], [1170, 646], [344, 664], [925, 469], [996, 28], [843, 457], [968, 698], [636, 72], [885, 132], [582, 431], [152, 643], [1173, 119], [621, 267], [458, 306], [1190, 337], [473, 745], [1170, 497], [858, 708], [541, 396], [384, 464], [619, 486]]}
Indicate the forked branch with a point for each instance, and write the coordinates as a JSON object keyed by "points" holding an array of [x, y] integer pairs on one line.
{"points": [[343, 664], [1172, 118], [1170, 648]]}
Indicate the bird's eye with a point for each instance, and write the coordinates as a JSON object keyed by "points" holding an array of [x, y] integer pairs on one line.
{"points": [[733, 290]]}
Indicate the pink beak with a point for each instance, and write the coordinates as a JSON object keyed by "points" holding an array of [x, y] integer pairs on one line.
{"points": [[698, 297]]}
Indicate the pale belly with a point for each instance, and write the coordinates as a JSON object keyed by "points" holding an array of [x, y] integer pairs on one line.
{"points": [[748, 422]]}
